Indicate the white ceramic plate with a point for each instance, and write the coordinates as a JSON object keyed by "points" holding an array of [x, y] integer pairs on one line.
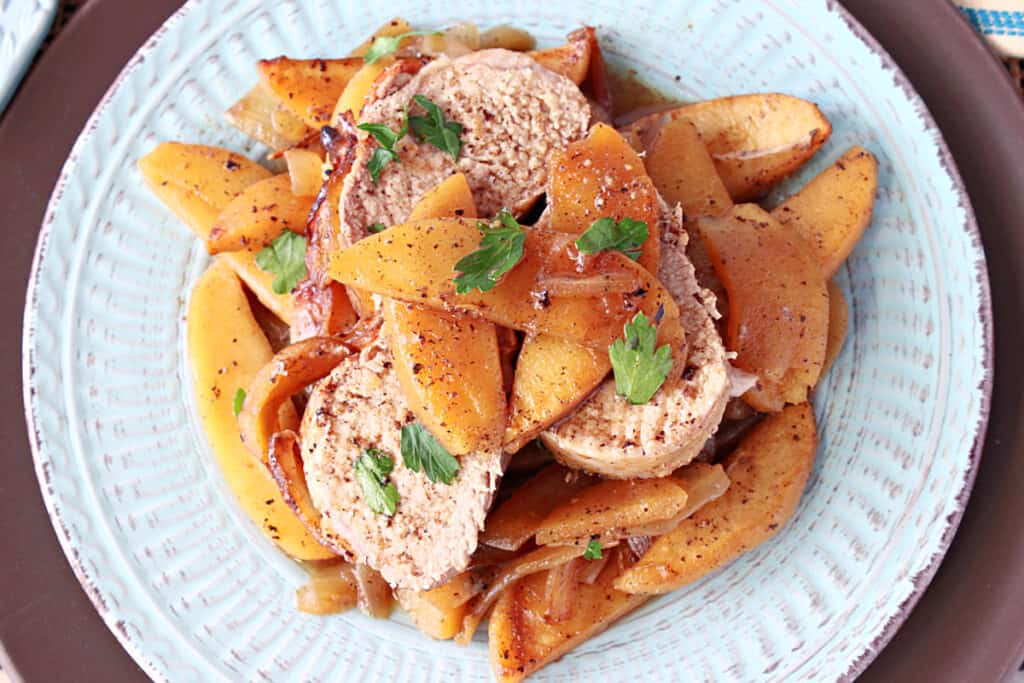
{"points": [[196, 594]]}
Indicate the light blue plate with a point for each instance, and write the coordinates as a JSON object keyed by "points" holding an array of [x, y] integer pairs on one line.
{"points": [[23, 25], [195, 593]]}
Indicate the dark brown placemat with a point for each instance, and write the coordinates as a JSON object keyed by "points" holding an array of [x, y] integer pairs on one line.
{"points": [[968, 625]]}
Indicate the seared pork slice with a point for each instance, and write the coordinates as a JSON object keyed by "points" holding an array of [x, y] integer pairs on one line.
{"points": [[609, 436], [360, 405], [513, 112]]}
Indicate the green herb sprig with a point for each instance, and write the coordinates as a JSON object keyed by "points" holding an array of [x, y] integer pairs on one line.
{"points": [[501, 248], [604, 234], [372, 470], [639, 369], [285, 258]]}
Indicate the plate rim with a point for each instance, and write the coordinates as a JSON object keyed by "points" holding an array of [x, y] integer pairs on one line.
{"points": [[920, 580]]}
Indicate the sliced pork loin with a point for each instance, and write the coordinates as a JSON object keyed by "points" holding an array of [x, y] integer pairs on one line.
{"points": [[513, 112], [609, 436], [360, 405]]}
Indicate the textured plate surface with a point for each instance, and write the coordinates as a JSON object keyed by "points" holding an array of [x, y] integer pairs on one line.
{"points": [[196, 594]]}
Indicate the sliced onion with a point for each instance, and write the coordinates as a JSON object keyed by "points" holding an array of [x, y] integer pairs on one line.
{"points": [[541, 559], [592, 569], [331, 589], [374, 597], [639, 545], [560, 590], [286, 468], [290, 371], [589, 286], [740, 381]]}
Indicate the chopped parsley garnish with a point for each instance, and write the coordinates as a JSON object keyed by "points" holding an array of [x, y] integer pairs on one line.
{"points": [[420, 450], [239, 401], [372, 470], [434, 129], [501, 248], [639, 369], [374, 228], [593, 551], [386, 138], [385, 45], [627, 236], [285, 257]]}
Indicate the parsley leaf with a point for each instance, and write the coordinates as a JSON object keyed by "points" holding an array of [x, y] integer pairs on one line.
{"points": [[434, 129], [239, 401], [386, 138], [374, 228], [372, 470], [385, 45], [603, 234], [639, 369], [501, 248], [285, 258], [420, 450], [593, 551]]}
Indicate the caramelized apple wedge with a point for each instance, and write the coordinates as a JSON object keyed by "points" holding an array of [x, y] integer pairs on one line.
{"points": [[395, 27], [415, 262], [257, 216], [451, 197], [521, 638], [608, 508], [218, 310], [832, 211], [196, 182], [755, 140], [684, 172], [515, 521], [778, 303], [552, 377], [309, 87], [448, 364], [450, 372], [601, 176], [261, 116], [767, 473], [571, 60]]}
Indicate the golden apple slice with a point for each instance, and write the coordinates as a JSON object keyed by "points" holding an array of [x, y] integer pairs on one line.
{"points": [[767, 473], [606, 509], [684, 172], [521, 637], [778, 303], [450, 373], [601, 176], [257, 216], [310, 88], [552, 377], [196, 182], [832, 211], [755, 140], [515, 521]]}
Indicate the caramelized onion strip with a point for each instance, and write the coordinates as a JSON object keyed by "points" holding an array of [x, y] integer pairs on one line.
{"points": [[290, 371]]}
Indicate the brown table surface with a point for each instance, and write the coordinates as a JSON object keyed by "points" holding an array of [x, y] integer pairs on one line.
{"points": [[969, 626]]}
